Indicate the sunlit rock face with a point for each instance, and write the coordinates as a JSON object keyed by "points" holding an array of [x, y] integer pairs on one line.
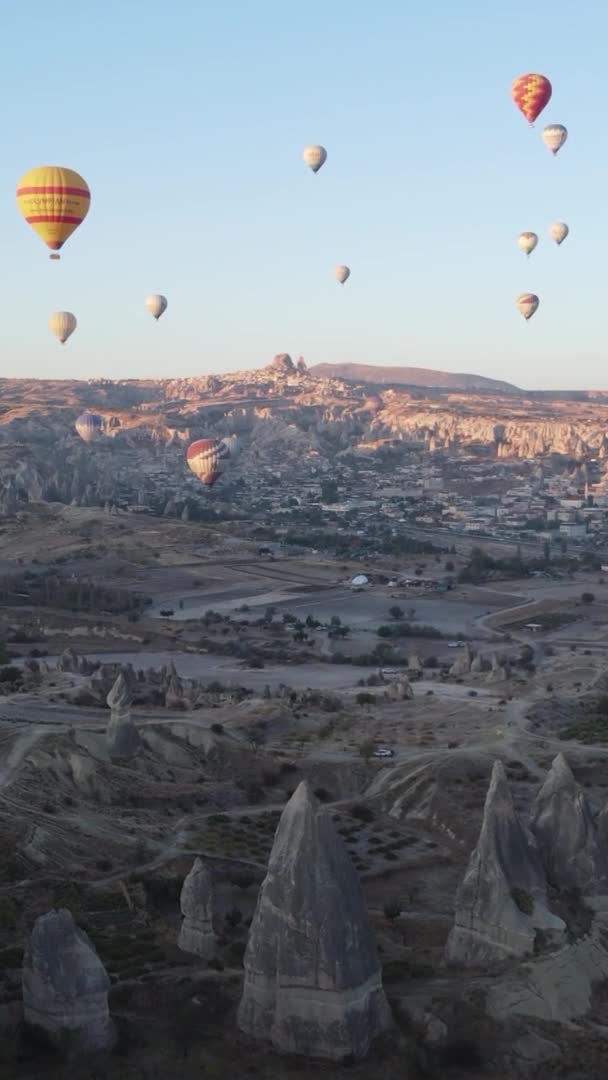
{"points": [[312, 979]]}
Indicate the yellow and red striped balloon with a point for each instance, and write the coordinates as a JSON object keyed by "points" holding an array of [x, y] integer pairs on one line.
{"points": [[531, 93], [54, 201]]}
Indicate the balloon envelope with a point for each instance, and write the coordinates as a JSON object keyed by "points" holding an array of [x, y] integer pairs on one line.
{"points": [[62, 324], [54, 201], [208, 459], [527, 241], [527, 304], [342, 274], [554, 137], [156, 304], [314, 157], [559, 231], [89, 426], [531, 93]]}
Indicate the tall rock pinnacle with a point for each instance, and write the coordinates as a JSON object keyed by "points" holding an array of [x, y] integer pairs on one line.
{"points": [[196, 903], [65, 985], [312, 978], [502, 900], [566, 834], [122, 734]]}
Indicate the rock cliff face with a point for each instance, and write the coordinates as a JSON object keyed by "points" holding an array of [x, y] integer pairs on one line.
{"points": [[567, 836], [312, 978], [65, 985], [196, 904], [502, 901]]}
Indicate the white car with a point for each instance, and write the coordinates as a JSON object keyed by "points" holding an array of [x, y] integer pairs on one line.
{"points": [[383, 751]]}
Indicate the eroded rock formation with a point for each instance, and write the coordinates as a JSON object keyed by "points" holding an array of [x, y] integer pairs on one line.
{"points": [[196, 904], [502, 901], [312, 978], [567, 837], [122, 735], [65, 985]]}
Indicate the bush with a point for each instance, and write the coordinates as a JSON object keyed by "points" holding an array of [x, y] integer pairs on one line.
{"points": [[587, 597], [234, 917], [461, 1054], [322, 794], [365, 699], [8, 913], [10, 674], [217, 729], [523, 900], [362, 813]]}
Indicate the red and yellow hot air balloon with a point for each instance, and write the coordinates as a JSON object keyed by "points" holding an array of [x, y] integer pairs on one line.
{"points": [[54, 201], [531, 93]]}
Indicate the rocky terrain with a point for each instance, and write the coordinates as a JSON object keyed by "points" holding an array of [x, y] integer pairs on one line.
{"points": [[252, 811], [282, 413]]}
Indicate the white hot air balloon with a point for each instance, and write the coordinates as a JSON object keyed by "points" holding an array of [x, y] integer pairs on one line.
{"points": [[554, 137], [342, 274], [559, 231], [314, 157], [527, 241], [62, 324], [527, 304], [156, 304]]}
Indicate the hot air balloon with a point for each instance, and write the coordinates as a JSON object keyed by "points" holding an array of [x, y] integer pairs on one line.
{"points": [[89, 426], [558, 232], [527, 241], [527, 303], [554, 137], [314, 157], [156, 304], [208, 459], [531, 93], [62, 324], [342, 274], [54, 201]]}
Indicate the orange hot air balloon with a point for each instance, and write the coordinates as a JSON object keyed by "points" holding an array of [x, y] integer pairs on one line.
{"points": [[531, 93], [54, 201]]}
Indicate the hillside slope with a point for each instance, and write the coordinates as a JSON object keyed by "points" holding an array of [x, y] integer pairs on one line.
{"points": [[409, 376]]}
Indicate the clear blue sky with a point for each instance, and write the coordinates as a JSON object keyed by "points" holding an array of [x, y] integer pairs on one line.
{"points": [[188, 121]]}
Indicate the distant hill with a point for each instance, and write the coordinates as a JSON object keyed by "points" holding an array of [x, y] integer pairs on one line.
{"points": [[409, 376]]}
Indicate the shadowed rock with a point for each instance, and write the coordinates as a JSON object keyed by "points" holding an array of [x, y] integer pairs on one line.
{"points": [[462, 664], [502, 900], [196, 903], [122, 735], [567, 838], [312, 978], [498, 672], [65, 985]]}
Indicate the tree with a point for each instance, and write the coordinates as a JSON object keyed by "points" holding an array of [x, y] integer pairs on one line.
{"points": [[587, 597], [396, 612], [256, 738], [366, 749], [392, 910], [329, 491]]}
